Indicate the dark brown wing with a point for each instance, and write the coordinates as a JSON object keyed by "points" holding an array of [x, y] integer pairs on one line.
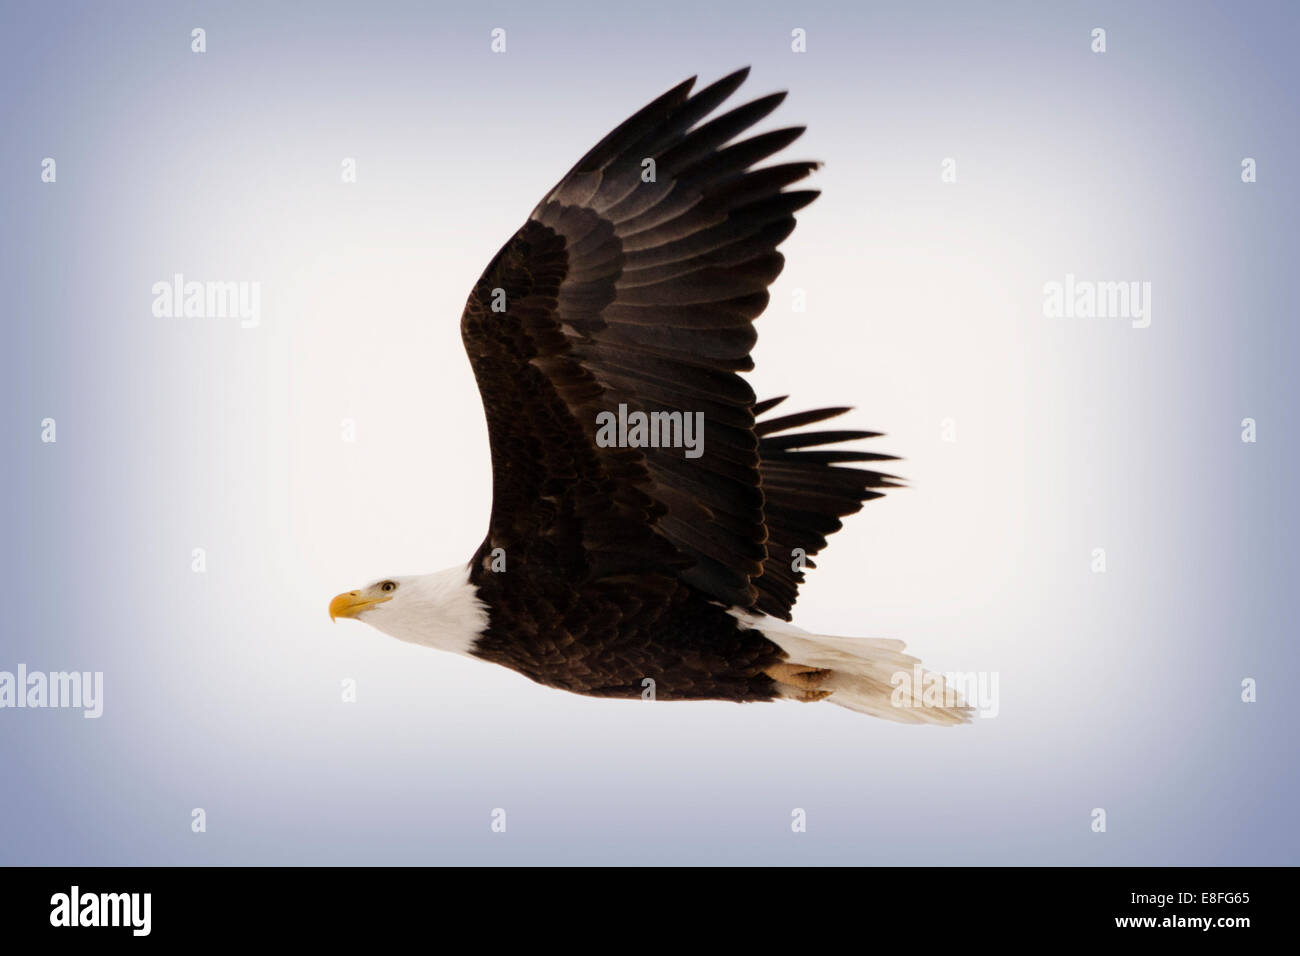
{"points": [[635, 282], [806, 494]]}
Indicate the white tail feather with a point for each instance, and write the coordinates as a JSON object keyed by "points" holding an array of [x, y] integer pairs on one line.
{"points": [[865, 673]]}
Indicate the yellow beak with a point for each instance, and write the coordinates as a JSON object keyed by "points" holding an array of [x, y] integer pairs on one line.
{"points": [[351, 603]]}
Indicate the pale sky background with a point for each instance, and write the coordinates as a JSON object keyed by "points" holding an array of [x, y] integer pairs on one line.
{"points": [[1119, 690]]}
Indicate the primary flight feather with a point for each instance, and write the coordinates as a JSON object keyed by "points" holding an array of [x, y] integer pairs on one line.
{"points": [[650, 520]]}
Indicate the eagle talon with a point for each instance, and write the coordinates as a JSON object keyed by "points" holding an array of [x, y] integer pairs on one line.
{"points": [[800, 677], [811, 696]]}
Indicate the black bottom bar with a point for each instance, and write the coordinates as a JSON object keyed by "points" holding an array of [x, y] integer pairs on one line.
{"points": [[640, 907]]}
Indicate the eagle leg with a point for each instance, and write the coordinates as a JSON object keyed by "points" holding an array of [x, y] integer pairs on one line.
{"points": [[810, 696], [801, 679]]}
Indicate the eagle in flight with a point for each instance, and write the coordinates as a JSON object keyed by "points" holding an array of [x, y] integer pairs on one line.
{"points": [[650, 518]]}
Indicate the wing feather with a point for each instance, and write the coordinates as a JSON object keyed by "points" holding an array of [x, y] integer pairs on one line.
{"points": [[806, 494], [628, 290]]}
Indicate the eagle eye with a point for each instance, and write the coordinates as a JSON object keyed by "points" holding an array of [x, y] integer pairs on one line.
{"points": [[388, 586]]}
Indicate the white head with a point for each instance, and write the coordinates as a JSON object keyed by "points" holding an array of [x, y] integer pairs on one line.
{"points": [[439, 610]]}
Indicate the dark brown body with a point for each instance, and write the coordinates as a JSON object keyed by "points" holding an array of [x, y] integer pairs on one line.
{"points": [[599, 641]]}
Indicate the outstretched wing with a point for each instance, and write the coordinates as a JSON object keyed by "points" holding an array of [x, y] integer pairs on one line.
{"points": [[635, 283], [806, 492]]}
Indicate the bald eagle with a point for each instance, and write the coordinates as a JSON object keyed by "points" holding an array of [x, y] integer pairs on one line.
{"points": [[650, 519]]}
